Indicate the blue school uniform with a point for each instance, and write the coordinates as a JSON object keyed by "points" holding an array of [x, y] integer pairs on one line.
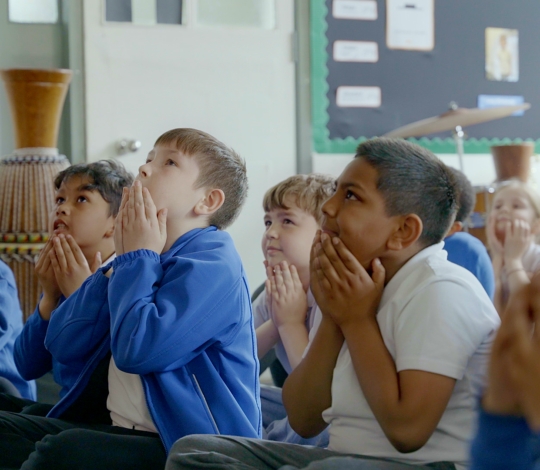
{"points": [[10, 326], [183, 322], [470, 253], [32, 358]]}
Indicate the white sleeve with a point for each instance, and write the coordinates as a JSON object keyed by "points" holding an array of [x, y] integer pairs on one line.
{"points": [[441, 328], [260, 312]]}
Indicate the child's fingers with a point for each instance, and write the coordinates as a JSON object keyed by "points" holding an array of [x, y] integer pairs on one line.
{"points": [[131, 205], [325, 268], [378, 272], [149, 206], [278, 280], [44, 255], [332, 254], [76, 250], [68, 253], [53, 258], [287, 277], [269, 271], [139, 201], [125, 194], [59, 254], [348, 259]]}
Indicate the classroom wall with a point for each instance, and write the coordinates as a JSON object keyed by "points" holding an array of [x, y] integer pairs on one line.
{"points": [[27, 46], [479, 168]]}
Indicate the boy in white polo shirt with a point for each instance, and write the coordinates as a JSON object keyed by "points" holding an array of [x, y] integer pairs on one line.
{"points": [[401, 339]]}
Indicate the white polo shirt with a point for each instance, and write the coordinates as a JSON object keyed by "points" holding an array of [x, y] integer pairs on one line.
{"points": [[434, 316], [126, 401]]}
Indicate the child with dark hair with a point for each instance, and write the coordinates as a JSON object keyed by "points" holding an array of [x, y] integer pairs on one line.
{"points": [[87, 201], [398, 350], [164, 335], [464, 249]]}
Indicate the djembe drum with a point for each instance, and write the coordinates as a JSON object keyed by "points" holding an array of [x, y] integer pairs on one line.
{"points": [[36, 99]]}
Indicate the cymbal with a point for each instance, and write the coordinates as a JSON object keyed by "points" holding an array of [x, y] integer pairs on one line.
{"points": [[451, 119]]}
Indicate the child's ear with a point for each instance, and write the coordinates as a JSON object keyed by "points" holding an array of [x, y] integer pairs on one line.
{"points": [[210, 203], [456, 227], [110, 231], [407, 232]]}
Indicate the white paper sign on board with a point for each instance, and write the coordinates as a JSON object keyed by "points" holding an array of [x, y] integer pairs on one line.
{"points": [[356, 51], [410, 24], [358, 97], [355, 9]]}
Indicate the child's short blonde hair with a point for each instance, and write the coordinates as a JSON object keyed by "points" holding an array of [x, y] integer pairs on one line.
{"points": [[309, 193], [530, 192]]}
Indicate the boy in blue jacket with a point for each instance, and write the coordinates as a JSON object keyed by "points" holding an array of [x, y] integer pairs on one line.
{"points": [[87, 200], [166, 336], [11, 325]]}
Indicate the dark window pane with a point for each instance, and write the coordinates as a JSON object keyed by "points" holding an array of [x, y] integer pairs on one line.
{"points": [[118, 10], [169, 11]]}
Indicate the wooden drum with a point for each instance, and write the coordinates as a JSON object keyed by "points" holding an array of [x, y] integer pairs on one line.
{"points": [[36, 99], [478, 219]]}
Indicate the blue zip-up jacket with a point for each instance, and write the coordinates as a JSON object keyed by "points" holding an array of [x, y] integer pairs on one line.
{"points": [[11, 324], [183, 322], [32, 358]]}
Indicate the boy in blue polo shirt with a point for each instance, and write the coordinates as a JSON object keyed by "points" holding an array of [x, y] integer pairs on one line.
{"points": [[169, 328]]}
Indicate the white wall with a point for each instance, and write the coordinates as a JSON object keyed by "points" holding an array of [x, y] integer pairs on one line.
{"points": [[479, 168], [26, 46]]}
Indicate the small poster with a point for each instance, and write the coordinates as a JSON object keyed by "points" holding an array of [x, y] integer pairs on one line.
{"points": [[358, 97], [410, 25], [494, 101], [502, 54], [356, 51], [355, 9]]}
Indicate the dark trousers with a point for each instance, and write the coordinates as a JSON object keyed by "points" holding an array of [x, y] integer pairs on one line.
{"points": [[35, 442], [22, 405], [7, 387]]}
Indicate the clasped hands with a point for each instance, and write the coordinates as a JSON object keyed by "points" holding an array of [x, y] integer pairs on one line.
{"points": [[345, 292], [518, 237], [138, 224]]}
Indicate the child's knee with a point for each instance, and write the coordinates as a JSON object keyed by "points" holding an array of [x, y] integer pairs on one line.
{"points": [[53, 451]]}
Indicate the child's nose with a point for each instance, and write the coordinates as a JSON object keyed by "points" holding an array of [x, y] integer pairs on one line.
{"points": [[329, 207], [144, 170], [272, 232]]}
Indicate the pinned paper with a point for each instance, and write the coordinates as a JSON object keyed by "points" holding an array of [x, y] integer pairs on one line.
{"points": [[502, 54], [356, 51], [494, 101], [355, 9], [358, 97], [410, 24]]}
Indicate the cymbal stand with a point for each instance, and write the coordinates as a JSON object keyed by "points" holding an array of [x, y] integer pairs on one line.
{"points": [[458, 135]]}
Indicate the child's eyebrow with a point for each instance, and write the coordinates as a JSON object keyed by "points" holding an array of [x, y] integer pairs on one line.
{"points": [[86, 187], [349, 184]]}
